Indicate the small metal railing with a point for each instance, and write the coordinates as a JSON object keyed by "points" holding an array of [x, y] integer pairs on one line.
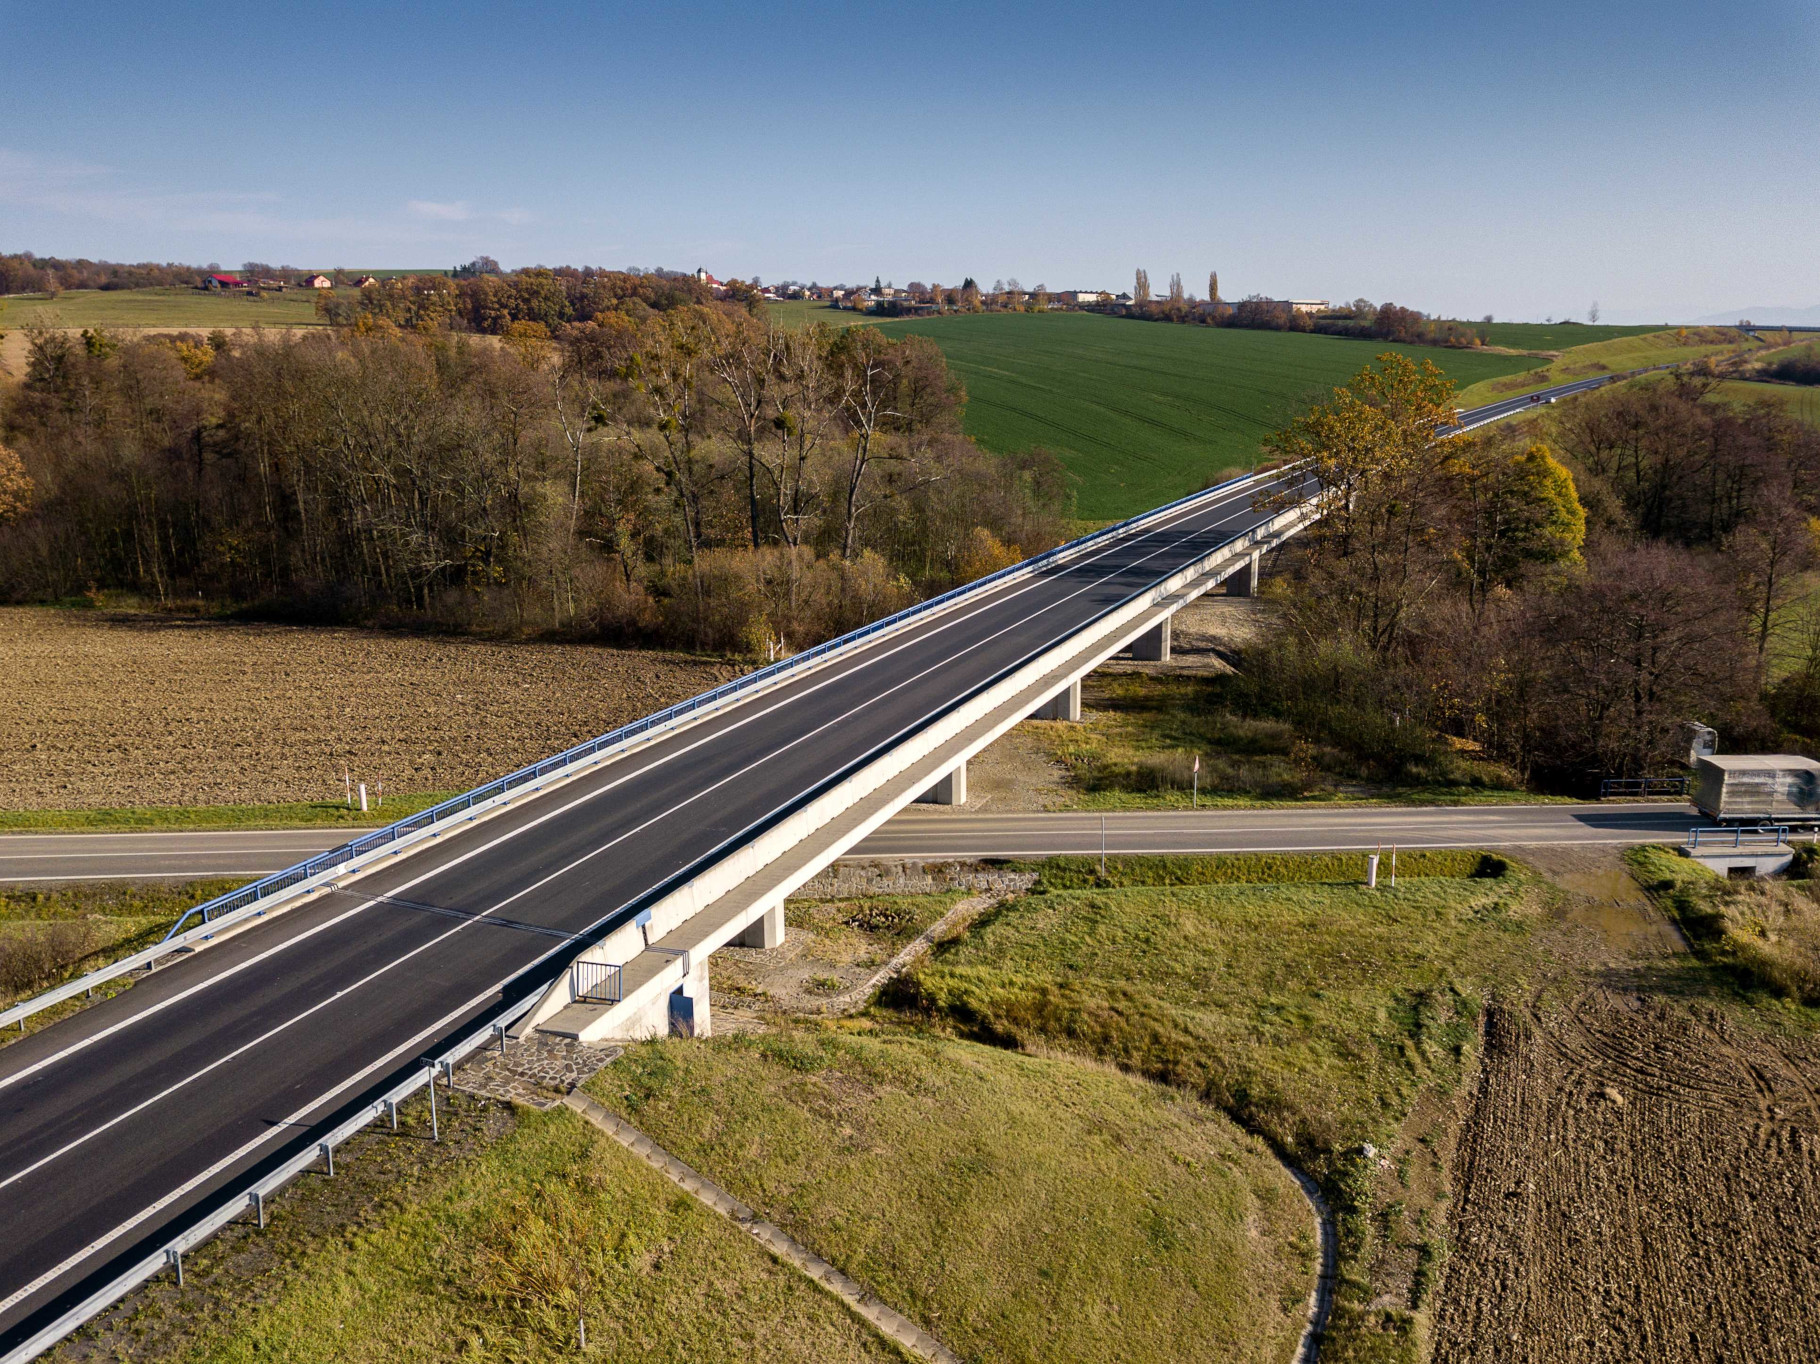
{"points": [[1643, 786], [1765, 836], [595, 982]]}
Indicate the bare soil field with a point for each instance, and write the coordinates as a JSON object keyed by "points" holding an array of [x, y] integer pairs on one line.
{"points": [[110, 709], [1637, 1172]]}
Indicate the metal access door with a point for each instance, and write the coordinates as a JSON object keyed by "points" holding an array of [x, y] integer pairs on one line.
{"points": [[682, 1014]]}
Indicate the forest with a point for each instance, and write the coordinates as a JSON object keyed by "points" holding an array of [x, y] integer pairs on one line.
{"points": [[668, 471]]}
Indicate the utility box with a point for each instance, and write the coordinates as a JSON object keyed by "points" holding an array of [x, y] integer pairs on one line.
{"points": [[1770, 788]]}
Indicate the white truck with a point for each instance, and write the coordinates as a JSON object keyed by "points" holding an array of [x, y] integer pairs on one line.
{"points": [[1768, 788]]}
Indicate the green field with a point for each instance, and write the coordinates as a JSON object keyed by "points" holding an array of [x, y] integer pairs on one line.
{"points": [[1145, 412], [1799, 400], [1613, 357], [174, 308], [1553, 335], [1021, 1207]]}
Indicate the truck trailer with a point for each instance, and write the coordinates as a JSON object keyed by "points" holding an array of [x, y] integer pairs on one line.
{"points": [[1767, 788]]}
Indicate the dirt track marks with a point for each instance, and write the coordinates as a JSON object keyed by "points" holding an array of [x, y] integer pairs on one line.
{"points": [[1635, 1184]]}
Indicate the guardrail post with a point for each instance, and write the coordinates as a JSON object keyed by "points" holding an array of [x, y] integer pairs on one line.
{"points": [[257, 1199], [435, 1133], [392, 1108], [500, 1029], [174, 1258], [328, 1154]]}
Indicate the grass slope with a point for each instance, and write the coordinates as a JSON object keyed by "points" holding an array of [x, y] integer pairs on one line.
{"points": [[1145, 412], [495, 1257], [47, 936], [1552, 335], [1613, 357], [292, 815], [1799, 401], [165, 308], [1023, 1208], [1321, 1014]]}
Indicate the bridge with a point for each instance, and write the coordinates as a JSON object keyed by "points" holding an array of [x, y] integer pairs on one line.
{"points": [[584, 896]]}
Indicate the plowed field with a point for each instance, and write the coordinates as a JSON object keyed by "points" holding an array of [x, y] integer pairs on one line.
{"points": [[110, 709], [1638, 1180]]}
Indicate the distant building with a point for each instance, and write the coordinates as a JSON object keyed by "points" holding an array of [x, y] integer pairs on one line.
{"points": [[1309, 305], [223, 282], [319, 282], [366, 280], [1083, 296]]}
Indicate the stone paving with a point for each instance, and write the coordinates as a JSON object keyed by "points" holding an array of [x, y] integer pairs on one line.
{"points": [[537, 1070]]}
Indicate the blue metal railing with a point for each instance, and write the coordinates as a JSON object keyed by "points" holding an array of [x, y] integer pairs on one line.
{"points": [[1774, 835], [281, 881]]}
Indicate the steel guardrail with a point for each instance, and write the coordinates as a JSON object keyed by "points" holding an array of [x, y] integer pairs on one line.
{"points": [[1775, 835], [233, 903], [251, 1196]]}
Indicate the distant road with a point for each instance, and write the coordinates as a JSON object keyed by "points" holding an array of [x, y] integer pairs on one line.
{"points": [[1511, 407], [38, 859]]}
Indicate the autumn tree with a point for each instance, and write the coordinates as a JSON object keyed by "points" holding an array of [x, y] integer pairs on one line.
{"points": [[1140, 288], [1371, 459], [15, 487], [1213, 286], [1514, 511]]}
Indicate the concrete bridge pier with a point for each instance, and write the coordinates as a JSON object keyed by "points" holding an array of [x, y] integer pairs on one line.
{"points": [[1153, 645], [1244, 583], [1064, 705], [767, 930], [949, 790]]}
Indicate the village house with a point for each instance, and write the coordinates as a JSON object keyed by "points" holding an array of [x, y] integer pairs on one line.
{"points": [[219, 282], [318, 282]]}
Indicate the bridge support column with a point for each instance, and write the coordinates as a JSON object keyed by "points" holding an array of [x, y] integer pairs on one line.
{"points": [[765, 931], [1244, 583], [1064, 705], [1153, 645], [950, 790]]}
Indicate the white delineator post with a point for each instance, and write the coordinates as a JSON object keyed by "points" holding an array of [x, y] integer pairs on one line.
{"points": [[1371, 872], [363, 798]]}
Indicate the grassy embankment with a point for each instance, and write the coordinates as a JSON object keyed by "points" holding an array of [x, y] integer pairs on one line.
{"points": [[1145, 412], [1021, 1207], [1322, 1015], [1612, 357], [489, 1246], [175, 818], [47, 936], [1765, 934], [1135, 746]]}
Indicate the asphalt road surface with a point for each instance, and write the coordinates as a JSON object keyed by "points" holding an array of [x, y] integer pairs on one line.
{"points": [[126, 1122], [44, 859]]}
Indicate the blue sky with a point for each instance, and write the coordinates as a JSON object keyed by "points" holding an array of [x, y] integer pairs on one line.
{"points": [[1523, 159]]}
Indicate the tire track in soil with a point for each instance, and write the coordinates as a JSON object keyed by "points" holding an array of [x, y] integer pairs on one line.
{"points": [[1635, 1183]]}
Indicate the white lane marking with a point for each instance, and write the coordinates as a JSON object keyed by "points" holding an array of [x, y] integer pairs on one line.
{"points": [[161, 1005], [277, 1130]]}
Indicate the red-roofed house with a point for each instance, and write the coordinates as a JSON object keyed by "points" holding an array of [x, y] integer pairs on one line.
{"points": [[222, 282]]}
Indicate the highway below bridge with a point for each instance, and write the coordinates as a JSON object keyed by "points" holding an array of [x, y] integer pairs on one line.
{"points": [[583, 896], [51, 859]]}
